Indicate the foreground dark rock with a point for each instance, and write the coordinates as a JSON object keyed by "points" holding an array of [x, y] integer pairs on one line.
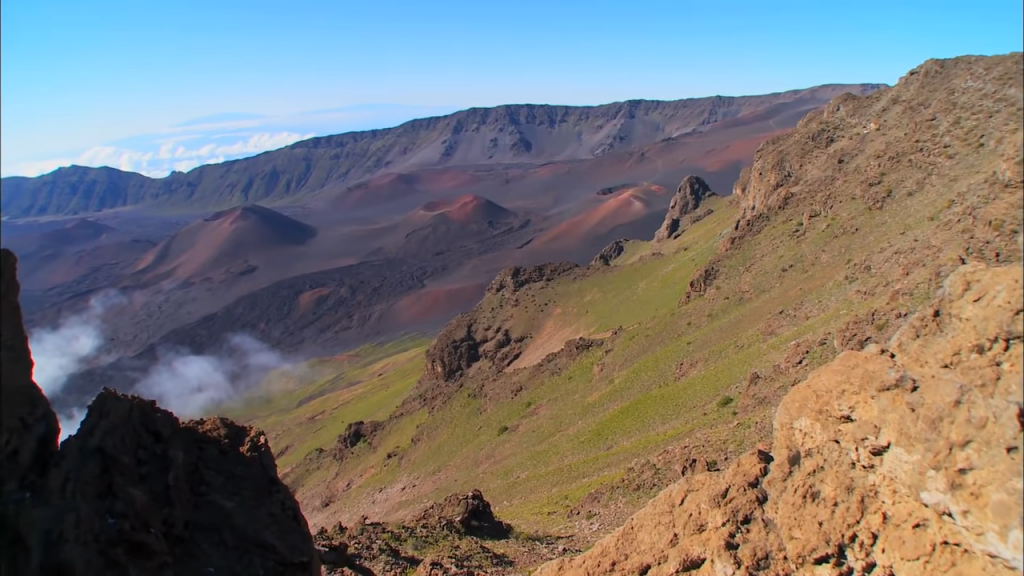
{"points": [[135, 491], [29, 427], [692, 191]]}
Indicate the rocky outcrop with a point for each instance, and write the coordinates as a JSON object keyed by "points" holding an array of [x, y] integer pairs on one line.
{"points": [[897, 460], [700, 283], [468, 514], [454, 350], [688, 197], [462, 344], [944, 122], [355, 433], [142, 492], [609, 253], [486, 339], [29, 427], [135, 491], [511, 280], [446, 538]]}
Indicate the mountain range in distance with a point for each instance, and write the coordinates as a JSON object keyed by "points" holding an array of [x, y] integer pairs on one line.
{"points": [[339, 240]]}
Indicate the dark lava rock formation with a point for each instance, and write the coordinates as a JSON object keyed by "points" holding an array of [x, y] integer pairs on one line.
{"points": [[691, 193], [447, 538], [610, 253], [468, 514], [29, 427], [136, 491], [511, 280]]}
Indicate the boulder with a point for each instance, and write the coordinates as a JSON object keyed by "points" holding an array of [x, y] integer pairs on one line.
{"points": [[692, 191], [469, 514], [609, 253]]}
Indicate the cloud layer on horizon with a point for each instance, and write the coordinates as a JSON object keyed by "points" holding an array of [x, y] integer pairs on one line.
{"points": [[222, 137]]}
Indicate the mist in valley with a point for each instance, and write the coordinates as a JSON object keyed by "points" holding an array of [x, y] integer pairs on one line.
{"points": [[186, 383]]}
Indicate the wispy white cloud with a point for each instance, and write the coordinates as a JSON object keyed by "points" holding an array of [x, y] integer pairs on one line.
{"points": [[181, 154]]}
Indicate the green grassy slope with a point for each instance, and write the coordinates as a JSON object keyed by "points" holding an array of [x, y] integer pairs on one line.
{"points": [[307, 407], [576, 426], [839, 264]]}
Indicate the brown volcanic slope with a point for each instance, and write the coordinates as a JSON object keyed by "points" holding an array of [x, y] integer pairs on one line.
{"points": [[506, 134], [846, 227], [317, 313], [76, 232], [557, 190], [902, 456], [632, 212], [54, 256], [461, 258], [226, 239], [79, 257], [443, 225]]}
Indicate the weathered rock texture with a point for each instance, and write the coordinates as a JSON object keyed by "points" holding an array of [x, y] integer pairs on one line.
{"points": [[145, 493], [688, 197], [449, 538], [609, 253], [513, 279], [905, 460], [468, 514], [464, 341], [135, 491], [948, 124]]}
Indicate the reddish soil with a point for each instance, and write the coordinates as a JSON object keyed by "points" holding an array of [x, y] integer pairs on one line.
{"points": [[226, 239], [434, 303]]}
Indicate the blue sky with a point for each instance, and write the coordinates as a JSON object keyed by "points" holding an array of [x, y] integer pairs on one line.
{"points": [[152, 86]]}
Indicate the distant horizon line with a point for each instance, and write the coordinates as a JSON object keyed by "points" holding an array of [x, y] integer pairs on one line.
{"points": [[236, 115]]}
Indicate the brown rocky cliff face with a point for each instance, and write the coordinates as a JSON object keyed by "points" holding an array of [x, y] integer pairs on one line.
{"points": [[904, 460], [473, 341], [462, 343], [135, 491], [688, 197], [944, 121]]}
